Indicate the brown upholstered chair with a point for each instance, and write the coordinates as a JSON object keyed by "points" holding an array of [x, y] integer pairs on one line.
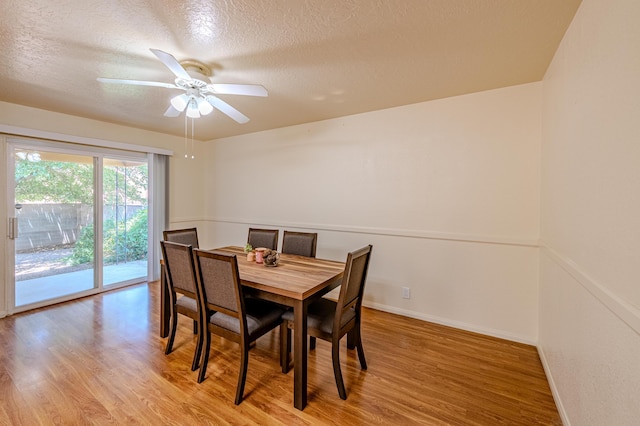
{"points": [[236, 318], [188, 236], [267, 238], [329, 320], [300, 243], [181, 278]]}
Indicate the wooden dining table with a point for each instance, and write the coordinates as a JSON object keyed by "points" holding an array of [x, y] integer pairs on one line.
{"points": [[295, 282]]}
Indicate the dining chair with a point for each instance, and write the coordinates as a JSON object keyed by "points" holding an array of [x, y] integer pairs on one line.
{"points": [[300, 243], [267, 238], [188, 236], [181, 278], [235, 318], [330, 320]]}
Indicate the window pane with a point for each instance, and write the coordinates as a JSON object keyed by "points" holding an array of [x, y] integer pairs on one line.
{"points": [[125, 225], [54, 206]]}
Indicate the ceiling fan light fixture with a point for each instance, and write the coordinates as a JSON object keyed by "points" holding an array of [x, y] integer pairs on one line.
{"points": [[192, 109], [180, 102], [204, 107], [193, 78]]}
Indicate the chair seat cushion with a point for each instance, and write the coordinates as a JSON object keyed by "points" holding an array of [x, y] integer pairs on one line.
{"points": [[188, 303], [320, 315], [260, 315]]}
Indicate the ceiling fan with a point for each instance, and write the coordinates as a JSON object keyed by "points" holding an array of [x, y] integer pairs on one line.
{"points": [[199, 97]]}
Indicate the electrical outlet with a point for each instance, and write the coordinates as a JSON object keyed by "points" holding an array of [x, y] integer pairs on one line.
{"points": [[406, 293]]}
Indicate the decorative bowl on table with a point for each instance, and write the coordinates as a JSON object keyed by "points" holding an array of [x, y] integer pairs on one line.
{"points": [[270, 258]]}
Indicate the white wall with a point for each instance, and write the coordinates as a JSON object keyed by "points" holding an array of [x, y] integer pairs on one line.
{"points": [[446, 191], [590, 263], [185, 199]]}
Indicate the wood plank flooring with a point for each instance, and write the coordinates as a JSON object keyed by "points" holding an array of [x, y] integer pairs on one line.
{"points": [[100, 360]]}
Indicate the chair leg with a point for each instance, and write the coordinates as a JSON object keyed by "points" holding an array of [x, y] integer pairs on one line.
{"points": [[351, 339], [205, 355], [172, 333], [363, 361], [312, 343], [335, 356], [196, 356], [285, 347], [195, 327], [242, 374]]}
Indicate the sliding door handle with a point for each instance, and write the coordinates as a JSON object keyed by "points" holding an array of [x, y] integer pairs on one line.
{"points": [[13, 228]]}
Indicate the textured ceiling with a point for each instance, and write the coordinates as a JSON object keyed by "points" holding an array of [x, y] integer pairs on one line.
{"points": [[318, 59]]}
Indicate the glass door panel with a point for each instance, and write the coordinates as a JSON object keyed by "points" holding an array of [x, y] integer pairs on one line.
{"points": [[54, 206], [125, 212]]}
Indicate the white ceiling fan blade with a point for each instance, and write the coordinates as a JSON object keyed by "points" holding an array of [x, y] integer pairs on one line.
{"points": [[172, 112], [170, 62], [239, 89], [137, 82], [227, 109]]}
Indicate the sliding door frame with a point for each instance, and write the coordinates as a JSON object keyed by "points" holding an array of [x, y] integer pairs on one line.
{"points": [[12, 143]]}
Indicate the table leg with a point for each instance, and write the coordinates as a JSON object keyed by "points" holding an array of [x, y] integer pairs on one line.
{"points": [[300, 355], [165, 311]]}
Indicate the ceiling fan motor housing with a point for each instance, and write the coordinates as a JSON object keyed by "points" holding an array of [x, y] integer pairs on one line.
{"points": [[198, 71]]}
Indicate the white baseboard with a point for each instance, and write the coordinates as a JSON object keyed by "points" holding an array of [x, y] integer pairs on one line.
{"points": [[554, 390]]}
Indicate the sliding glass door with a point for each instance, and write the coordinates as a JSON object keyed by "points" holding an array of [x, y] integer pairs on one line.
{"points": [[125, 225], [60, 196], [54, 205]]}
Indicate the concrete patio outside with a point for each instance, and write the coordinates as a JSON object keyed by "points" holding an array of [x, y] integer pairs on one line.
{"points": [[44, 287]]}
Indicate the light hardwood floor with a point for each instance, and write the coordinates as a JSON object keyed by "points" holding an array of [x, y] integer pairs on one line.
{"points": [[100, 360]]}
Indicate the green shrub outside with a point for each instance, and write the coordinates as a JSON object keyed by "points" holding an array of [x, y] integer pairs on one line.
{"points": [[129, 238]]}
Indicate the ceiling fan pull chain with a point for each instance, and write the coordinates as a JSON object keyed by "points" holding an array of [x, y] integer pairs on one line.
{"points": [[185, 136], [193, 127]]}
